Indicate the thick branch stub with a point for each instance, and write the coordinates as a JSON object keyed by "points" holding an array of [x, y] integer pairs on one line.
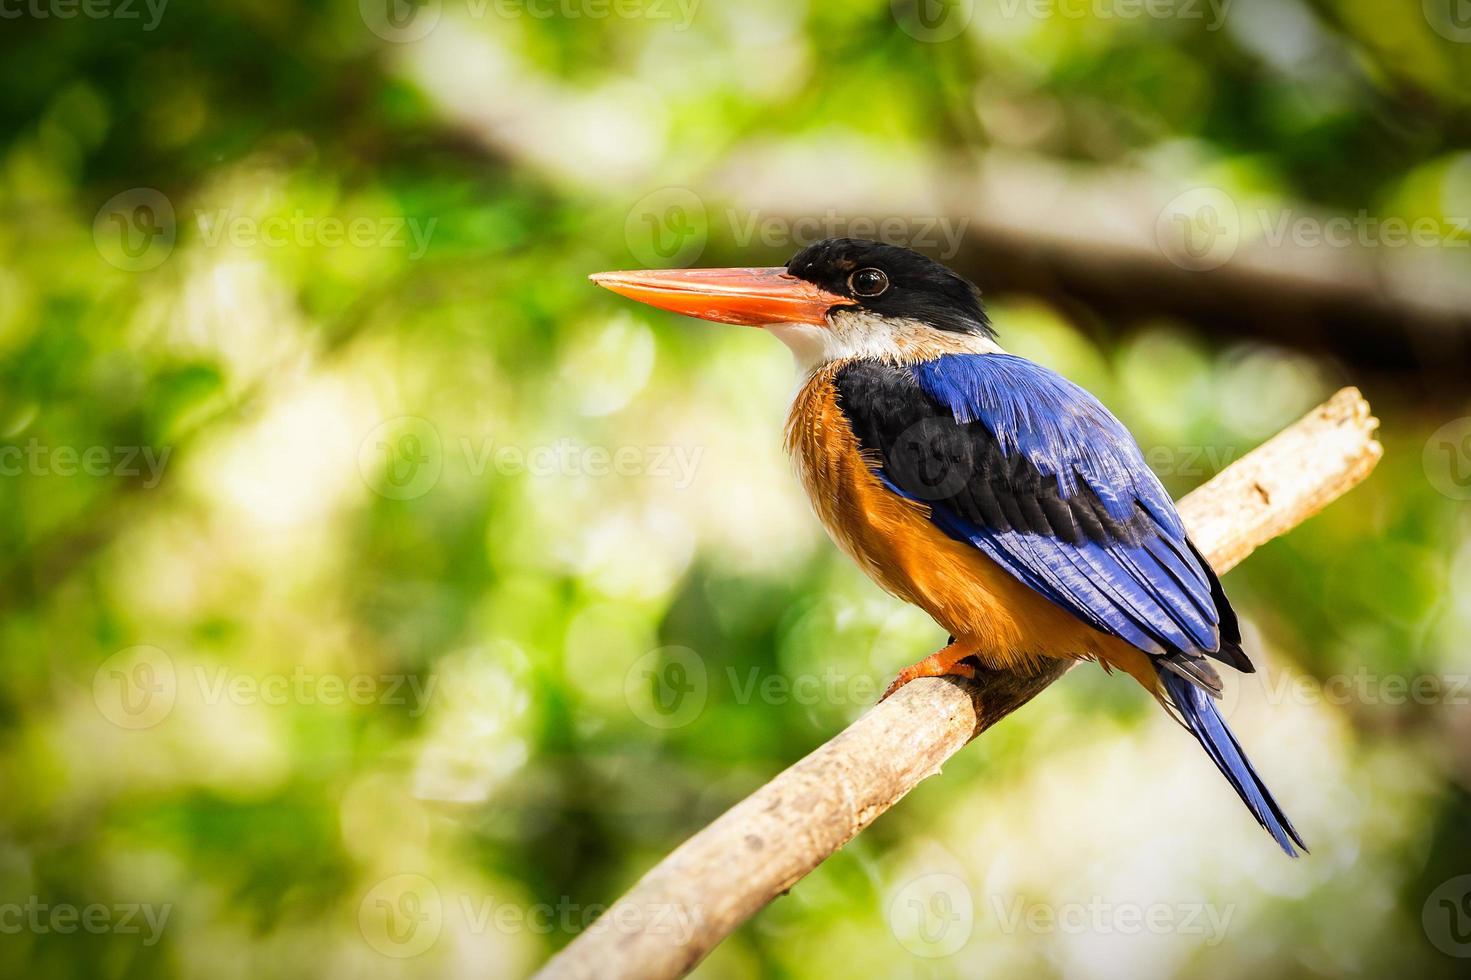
{"points": [[763, 845]]}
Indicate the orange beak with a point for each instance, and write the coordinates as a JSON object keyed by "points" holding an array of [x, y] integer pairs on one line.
{"points": [[753, 297]]}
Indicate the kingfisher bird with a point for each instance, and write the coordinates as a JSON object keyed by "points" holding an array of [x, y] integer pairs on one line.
{"points": [[1002, 499]]}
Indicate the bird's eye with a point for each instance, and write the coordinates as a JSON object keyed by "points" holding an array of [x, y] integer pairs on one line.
{"points": [[868, 282]]}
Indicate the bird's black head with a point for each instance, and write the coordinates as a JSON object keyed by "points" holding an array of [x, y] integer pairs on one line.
{"points": [[893, 281]]}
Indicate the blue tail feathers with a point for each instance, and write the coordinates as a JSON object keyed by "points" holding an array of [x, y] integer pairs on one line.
{"points": [[1197, 709]]}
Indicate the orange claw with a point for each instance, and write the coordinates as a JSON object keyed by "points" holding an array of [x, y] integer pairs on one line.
{"points": [[942, 663]]}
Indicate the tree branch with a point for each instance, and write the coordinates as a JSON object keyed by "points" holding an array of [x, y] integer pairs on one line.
{"points": [[1018, 222], [763, 845]]}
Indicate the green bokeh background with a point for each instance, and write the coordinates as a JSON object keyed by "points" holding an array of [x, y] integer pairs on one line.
{"points": [[378, 598]]}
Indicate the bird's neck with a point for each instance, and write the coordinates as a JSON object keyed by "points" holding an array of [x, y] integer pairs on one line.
{"points": [[859, 336]]}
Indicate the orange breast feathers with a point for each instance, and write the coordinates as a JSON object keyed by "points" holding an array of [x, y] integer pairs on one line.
{"points": [[891, 538]]}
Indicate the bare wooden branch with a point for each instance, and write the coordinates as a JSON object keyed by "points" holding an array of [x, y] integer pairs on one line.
{"points": [[766, 843]]}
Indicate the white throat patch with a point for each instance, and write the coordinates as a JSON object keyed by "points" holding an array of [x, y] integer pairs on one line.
{"points": [[854, 334]]}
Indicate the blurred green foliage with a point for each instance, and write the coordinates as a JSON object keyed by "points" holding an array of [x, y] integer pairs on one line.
{"points": [[381, 599]]}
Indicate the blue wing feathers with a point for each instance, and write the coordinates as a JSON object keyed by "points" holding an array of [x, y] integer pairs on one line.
{"points": [[1059, 576], [1151, 591], [1203, 719]]}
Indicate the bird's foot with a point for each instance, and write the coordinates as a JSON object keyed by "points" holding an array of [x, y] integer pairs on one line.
{"points": [[946, 662]]}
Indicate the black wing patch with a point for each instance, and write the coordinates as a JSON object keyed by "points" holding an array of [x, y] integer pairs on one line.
{"points": [[932, 458]]}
